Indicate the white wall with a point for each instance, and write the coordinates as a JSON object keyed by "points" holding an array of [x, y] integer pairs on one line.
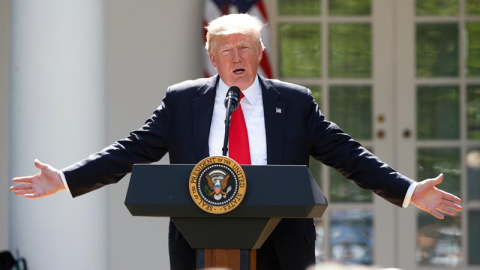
{"points": [[150, 45]]}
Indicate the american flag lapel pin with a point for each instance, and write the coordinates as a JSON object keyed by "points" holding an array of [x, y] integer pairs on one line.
{"points": [[278, 110]]}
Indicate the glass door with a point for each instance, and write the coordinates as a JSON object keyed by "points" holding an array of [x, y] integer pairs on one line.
{"points": [[403, 78], [438, 116], [342, 50]]}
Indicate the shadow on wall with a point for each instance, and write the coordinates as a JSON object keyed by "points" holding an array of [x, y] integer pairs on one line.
{"points": [[330, 266], [336, 266], [8, 262]]}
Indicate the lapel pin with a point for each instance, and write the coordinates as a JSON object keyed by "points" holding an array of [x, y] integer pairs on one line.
{"points": [[278, 110]]}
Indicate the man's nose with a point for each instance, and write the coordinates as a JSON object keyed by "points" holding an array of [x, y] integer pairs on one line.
{"points": [[236, 56]]}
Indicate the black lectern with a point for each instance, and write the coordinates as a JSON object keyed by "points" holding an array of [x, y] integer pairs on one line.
{"points": [[273, 192]]}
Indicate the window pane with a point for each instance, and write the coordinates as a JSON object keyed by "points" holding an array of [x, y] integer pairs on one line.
{"points": [[351, 236], [299, 7], [473, 49], [436, 7], [473, 112], [351, 109], [433, 161], [438, 113], [300, 50], [472, 7], [439, 242], [350, 50], [316, 170], [316, 93], [437, 50], [320, 249], [343, 190], [473, 174], [349, 7], [473, 235]]}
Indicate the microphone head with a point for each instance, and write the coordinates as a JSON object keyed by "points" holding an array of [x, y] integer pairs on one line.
{"points": [[233, 96]]}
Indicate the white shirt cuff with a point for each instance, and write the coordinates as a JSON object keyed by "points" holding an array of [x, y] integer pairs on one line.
{"points": [[64, 180], [409, 194]]}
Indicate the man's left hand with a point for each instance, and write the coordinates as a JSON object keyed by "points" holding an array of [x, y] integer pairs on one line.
{"points": [[433, 200]]}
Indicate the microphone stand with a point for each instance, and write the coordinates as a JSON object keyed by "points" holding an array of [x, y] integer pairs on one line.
{"points": [[227, 128], [231, 103]]}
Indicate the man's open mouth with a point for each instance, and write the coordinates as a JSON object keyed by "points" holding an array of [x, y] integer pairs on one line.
{"points": [[239, 71]]}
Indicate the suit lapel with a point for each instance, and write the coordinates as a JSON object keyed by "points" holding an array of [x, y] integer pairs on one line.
{"points": [[202, 111], [274, 110]]}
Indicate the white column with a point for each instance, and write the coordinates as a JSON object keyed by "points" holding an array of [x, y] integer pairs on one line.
{"points": [[57, 115], [4, 105]]}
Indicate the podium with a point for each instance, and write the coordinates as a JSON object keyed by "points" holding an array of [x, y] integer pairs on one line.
{"points": [[230, 239]]}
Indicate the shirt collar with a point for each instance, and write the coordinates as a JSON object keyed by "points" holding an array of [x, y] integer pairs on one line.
{"points": [[250, 94]]}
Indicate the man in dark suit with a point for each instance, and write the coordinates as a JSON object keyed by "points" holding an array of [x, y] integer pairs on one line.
{"points": [[284, 126]]}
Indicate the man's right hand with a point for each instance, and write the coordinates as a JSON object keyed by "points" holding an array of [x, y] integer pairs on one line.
{"points": [[45, 183]]}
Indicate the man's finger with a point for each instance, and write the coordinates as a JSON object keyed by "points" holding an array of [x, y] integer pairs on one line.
{"points": [[437, 214], [452, 205], [21, 187], [32, 195], [23, 192], [446, 210], [22, 179], [39, 164], [438, 180], [451, 197]]}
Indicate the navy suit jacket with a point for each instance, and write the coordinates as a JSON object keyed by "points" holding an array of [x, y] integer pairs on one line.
{"points": [[295, 130]]}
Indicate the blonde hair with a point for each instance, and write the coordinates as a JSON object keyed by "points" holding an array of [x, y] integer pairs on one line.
{"points": [[233, 24]]}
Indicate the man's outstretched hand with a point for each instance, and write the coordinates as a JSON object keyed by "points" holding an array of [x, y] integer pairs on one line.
{"points": [[45, 183], [435, 201]]}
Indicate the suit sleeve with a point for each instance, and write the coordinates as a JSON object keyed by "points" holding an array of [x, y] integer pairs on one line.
{"points": [[337, 149], [144, 145]]}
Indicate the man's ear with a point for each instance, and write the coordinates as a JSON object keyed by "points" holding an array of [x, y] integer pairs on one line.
{"points": [[260, 55], [212, 60]]}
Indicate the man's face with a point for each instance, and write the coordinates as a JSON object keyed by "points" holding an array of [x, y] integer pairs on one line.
{"points": [[236, 57]]}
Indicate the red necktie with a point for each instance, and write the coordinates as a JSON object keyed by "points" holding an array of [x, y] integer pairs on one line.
{"points": [[238, 147]]}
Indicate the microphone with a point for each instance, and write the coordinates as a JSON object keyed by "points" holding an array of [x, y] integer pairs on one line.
{"points": [[231, 104], [231, 100]]}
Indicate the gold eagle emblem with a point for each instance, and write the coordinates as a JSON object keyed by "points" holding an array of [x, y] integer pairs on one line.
{"points": [[217, 182]]}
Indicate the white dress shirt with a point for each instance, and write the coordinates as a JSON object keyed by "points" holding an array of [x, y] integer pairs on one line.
{"points": [[252, 106]]}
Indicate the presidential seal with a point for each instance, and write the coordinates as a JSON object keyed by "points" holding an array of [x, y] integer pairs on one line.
{"points": [[217, 184]]}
